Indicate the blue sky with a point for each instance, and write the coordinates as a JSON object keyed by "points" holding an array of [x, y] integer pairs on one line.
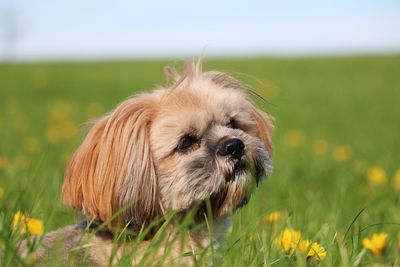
{"points": [[95, 29]]}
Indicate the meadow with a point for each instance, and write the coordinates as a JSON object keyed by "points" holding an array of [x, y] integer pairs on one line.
{"points": [[336, 179]]}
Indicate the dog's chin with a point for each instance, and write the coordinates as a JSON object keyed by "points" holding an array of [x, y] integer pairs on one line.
{"points": [[233, 195], [239, 171]]}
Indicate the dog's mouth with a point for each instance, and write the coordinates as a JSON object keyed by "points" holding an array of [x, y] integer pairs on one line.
{"points": [[240, 166], [239, 169], [214, 205], [211, 205], [239, 180], [217, 201]]}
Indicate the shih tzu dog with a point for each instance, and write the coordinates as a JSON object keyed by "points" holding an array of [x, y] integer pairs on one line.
{"points": [[196, 144]]}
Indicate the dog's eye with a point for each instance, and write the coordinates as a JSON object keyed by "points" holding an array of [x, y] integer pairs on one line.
{"points": [[186, 143], [231, 124]]}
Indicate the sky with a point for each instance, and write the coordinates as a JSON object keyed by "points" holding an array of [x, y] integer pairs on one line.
{"points": [[96, 29]]}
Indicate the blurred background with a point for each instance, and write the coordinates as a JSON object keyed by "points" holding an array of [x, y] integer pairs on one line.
{"points": [[329, 72], [80, 30]]}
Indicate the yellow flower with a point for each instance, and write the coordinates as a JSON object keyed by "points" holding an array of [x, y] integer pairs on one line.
{"points": [[23, 224], [288, 239], [294, 138], [303, 246], [1, 192], [396, 180], [35, 227], [376, 176], [314, 251], [342, 153], [275, 217], [376, 244], [317, 251], [320, 147]]}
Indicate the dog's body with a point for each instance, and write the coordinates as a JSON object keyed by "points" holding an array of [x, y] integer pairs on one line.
{"points": [[199, 144], [75, 245]]}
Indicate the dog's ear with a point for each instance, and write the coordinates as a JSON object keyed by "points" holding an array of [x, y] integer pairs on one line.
{"points": [[112, 176], [265, 126]]}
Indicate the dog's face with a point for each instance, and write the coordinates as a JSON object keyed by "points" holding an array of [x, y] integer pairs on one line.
{"points": [[199, 140]]}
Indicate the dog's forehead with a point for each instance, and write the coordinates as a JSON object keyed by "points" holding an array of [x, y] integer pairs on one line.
{"points": [[192, 110], [203, 103]]}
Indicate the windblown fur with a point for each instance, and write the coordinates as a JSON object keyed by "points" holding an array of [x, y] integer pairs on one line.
{"points": [[170, 150]]}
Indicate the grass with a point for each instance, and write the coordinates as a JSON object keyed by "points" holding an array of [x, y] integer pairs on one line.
{"points": [[351, 102]]}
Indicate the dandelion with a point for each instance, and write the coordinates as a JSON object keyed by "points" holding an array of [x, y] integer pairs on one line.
{"points": [[396, 180], [24, 224], [342, 153], [275, 217], [376, 176], [294, 138], [303, 246], [315, 251], [288, 239], [320, 147], [376, 244], [1, 192]]}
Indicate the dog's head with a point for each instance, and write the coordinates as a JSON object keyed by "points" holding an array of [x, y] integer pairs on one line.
{"points": [[170, 150]]}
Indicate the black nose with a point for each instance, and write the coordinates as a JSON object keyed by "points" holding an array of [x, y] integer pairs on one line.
{"points": [[232, 147]]}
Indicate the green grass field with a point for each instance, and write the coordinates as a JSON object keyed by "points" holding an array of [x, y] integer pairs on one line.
{"points": [[337, 144]]}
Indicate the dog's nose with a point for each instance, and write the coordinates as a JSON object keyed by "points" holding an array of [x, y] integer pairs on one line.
{"points": [[232, 147]]}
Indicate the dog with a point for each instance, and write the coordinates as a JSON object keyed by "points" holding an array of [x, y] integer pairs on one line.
{"points": [[197, 146]]}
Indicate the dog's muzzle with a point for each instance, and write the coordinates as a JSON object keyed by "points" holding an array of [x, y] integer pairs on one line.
{"points": [[233, 148]]}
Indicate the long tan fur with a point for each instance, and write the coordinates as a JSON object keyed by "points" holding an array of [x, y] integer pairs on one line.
{"points": [[113, 168], [161, 152]]}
